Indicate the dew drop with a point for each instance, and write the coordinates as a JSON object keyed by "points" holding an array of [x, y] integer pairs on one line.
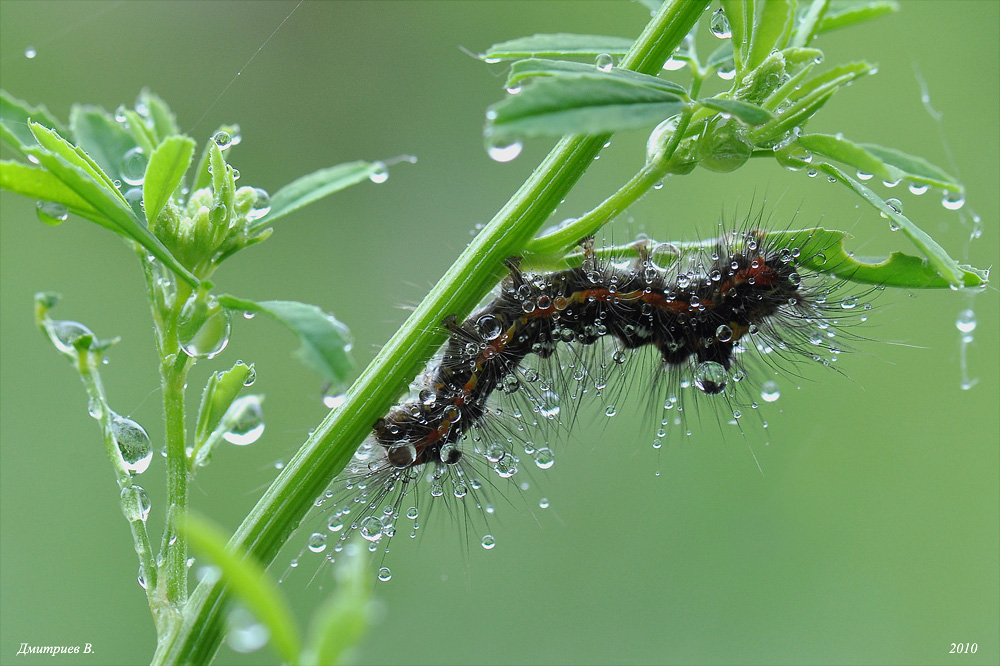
{"points": [[604, 62], [863, 175], [953, 200], [543, 503], [385, 574], [370, 529], [95, 408], [245, 633], [334, 401], [135, 503], [769, 391], [673, 64], [133, 444], [211, 338], [489, 542], [489, 327], [51, 213], [316, 542], [251, 377], [504, 152], [246, 419], [724, 333], [30, 53], [720, 25], [379, 173], [222, 139], [966, 322], [710, 377], [134, 166], [544, 457], [261, 205]]}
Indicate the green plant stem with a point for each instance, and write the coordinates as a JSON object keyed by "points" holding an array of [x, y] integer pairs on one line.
{"points": [[328, 450], [173, 377], [86, 366], [651, 173]]}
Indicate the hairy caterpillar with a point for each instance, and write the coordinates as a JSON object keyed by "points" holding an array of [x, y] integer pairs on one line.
{"points": [[711, 316]]}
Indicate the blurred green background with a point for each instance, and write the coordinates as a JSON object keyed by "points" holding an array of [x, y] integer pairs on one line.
{"points": [[872, 535]]}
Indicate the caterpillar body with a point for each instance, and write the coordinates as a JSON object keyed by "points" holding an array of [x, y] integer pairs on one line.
{"points": [[709, 318]]}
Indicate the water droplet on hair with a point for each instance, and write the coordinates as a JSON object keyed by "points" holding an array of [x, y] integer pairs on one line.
{"points": [[544, 457], [710, 377], [385, 574], [489, 542], [769, 391], [316, 542]]}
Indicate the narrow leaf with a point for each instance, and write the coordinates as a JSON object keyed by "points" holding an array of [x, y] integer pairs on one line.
{"points": [[853, 12], [557, 45], [745, 111], [740, 14], [39, 184], [52, 142], [164, 121], [167, 166], [580, 104], [809, 23], [314, 186], [220, 391], [14, 117], [223, 182], [524, 69], [202, 177], [916, 168], [326, 342], [772, 31], [850, 153], [250, 583], [939, 259]]}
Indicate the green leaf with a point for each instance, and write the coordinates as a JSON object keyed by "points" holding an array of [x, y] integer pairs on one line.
{"points": [[740, 14], [202, 177], [143, 135], [557, 45], [946, 267], [314, 186], [807, 99], [220, 391], [580, 104], [916, 169], [842, 14], [250, 583], [722, 54], [167, 166], [524, 69], [822, 251], [164, 121], [223, 181], [745, 111], [103, 139], [771, 31], [326, 342], [341, 622], [14, 117], [39, 184], [79, 173], [809, 23], [849, 153]]}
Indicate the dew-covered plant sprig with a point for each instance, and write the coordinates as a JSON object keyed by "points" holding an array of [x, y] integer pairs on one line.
{"points": [[778, 82], [134, 173]]}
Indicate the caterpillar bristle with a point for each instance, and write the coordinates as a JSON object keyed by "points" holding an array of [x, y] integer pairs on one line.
{"points": [[711, 327]]}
